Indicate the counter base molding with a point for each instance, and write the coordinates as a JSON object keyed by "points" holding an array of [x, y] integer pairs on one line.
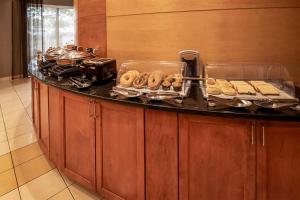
{"points": [[135, 152]]}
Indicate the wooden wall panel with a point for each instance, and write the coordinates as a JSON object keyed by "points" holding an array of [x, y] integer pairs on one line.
{"points": [[240, 35], [117, 7], [91, 24]]}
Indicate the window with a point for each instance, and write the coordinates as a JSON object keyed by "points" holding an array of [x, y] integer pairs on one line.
{"points": [[50, 26], [59, 26]]}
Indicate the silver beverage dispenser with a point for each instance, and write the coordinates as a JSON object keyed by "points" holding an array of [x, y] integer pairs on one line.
{"points": [[192, 60]]}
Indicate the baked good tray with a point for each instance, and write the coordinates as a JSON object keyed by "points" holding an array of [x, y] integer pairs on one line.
{"points": [[183, 92], [258, 96]]}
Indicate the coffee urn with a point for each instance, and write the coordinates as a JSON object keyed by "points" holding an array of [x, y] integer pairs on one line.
{"points": [[192, 60]]}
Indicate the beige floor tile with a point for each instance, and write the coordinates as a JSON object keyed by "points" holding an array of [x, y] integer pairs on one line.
{"points": [[7, 182], [3, 136], [7, 99], [26, 153], [12, 109], [13, 195], [14, 115], [5, 162], [19, 130], [17, 122], [22, 141], [2, 126], [4, 148], [43, 187], [81, 194], [11, 102], [63, 195], [32, 169]]}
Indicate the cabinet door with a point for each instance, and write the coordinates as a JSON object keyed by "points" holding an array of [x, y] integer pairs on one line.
{"points": [[120, 152], [79, 135], [35, 104], [55, 124], [279, 161], [216, 159], [161, 155], [44, 118]]}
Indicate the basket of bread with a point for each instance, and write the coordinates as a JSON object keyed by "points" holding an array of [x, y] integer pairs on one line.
{"points": [[152, 76]]}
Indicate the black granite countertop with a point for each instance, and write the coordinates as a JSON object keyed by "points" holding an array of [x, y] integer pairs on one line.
{"points": [[193, 104]]}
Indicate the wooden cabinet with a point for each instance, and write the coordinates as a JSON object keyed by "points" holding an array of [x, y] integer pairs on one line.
{"points": [[35, 104], [278, 161], [55, 128], [120, 152], [161, 139], [40, 113], [79, 138], [129, 153], [216, 159], [44, 117]]}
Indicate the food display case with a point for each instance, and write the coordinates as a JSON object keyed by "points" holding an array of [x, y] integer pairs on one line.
{"points": [[152, 77], [248, 81]]}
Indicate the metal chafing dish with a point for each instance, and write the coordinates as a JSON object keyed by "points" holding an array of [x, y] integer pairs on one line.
{"points": [[72, 57], [52, 54]]}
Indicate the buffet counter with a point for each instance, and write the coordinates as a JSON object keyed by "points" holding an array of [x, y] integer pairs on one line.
{"points": [[193, 104], [132, 149]]}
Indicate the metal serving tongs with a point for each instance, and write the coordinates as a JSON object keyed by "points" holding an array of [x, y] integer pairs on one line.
{"points": [[125, 92], [166, 97], [235, 102], [276, 103], [80, 83]]}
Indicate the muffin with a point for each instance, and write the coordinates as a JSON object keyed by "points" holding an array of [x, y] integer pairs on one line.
{"points": [[169, 78], [166, 85], [177, 85]]}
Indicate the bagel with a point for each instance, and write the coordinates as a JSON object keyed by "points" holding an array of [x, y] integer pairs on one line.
{"points": [[127, 78], [155, 79], [141, 80]]}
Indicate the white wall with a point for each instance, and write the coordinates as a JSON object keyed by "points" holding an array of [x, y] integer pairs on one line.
{"points": [[5, 38]]}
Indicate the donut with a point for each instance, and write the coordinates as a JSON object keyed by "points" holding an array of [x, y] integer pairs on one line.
{"points": [[127, 78], [141, 80], [154, 80]]}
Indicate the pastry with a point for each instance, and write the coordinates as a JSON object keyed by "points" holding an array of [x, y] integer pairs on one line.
{"points": [[210, 81], [267, 89], [213, 90], [236, 83], [245, 89], [141, 80], [178, 78], [256, 83], [177, 85], [229, 91], [127, 78], [154, 80], [166, 85], [223, 83]]}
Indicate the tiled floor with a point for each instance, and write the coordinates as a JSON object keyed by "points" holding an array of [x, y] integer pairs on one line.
{"points": [[25, 173]]}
